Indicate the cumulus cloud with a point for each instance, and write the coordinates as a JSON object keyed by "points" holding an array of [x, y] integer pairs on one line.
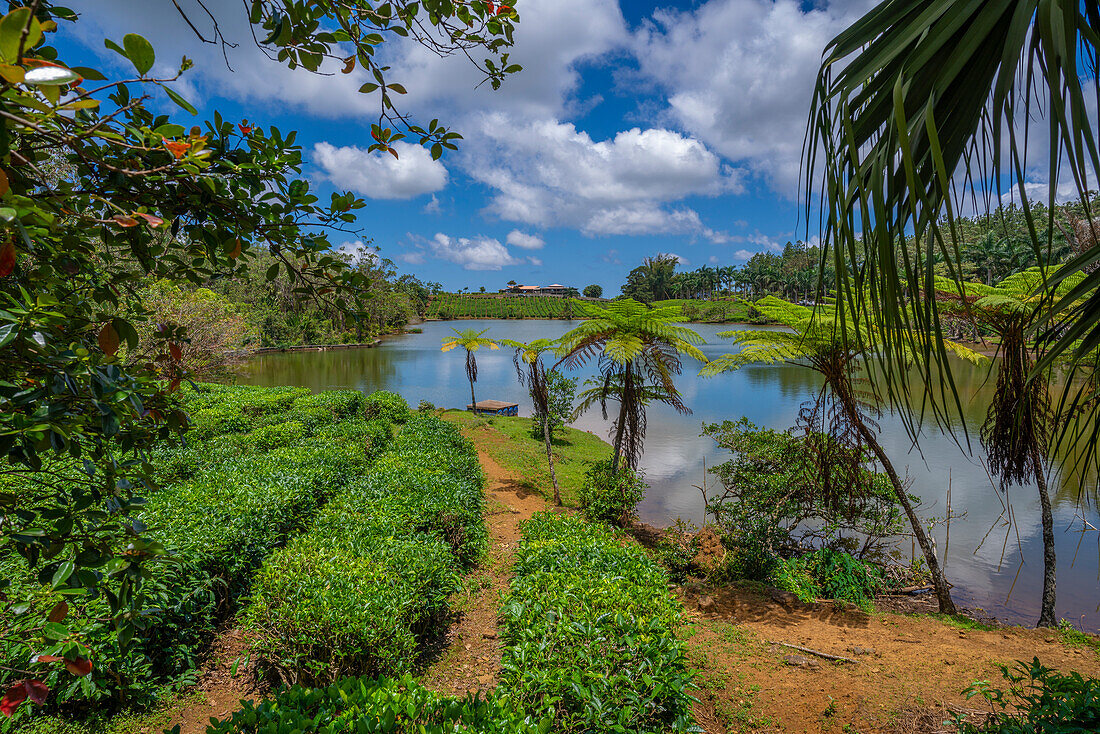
{"points": [[739, 75], [472, 253], [379, 175], [356, 251], [546, 172], [524, 241]]}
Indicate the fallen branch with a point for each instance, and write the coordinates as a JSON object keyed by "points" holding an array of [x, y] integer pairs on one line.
{"points": [[820, 654]]}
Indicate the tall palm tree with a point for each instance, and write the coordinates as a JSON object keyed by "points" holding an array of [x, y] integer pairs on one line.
{"points": [[532, 374], [639, 351], [1019, 422], [923, 108], [823, 340], [471, 341]]}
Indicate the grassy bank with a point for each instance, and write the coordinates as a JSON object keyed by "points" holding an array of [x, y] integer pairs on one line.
{"points": [[448, 306], [509, 443]]}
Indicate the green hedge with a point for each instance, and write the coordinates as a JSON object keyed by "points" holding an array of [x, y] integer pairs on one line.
{"points": [[253, 472], [356, 705], [356, 593], [588, 628]]}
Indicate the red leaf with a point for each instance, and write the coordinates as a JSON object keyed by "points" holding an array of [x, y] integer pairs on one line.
{"points": [[108, 339], [174, 385], [79, 667], [59, 612], [175, 351], [14, 696], [236, 251], [504, 9], [7, 258], [349, 64], [47, 659], [150, 219], [124, 221], [393, 153], [244, 127], [36, 691]]}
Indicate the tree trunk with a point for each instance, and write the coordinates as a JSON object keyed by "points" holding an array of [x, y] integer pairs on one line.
{"points": [[550, 457], [1047, 616], [939, 581]]}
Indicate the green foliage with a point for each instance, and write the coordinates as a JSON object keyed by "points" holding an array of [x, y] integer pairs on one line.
{"points": [[459, 306], [588, 628], [358, 590], [677, 548], [397, 706], [830, 574], [1039, 700], [593, 291], [611, 494], [386, 406], [561, 391]]}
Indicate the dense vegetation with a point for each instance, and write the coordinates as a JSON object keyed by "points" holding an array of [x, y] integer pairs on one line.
{"points": [[589, 630], [462, 306], [257, 465]]}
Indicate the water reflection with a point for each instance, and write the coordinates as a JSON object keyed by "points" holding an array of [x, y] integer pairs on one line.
{"points": [[985, 547]]}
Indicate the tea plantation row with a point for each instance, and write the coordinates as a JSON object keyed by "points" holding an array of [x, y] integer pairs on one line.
{"points": [[253, 472]]}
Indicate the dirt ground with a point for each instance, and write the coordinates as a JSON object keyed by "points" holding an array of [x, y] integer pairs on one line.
{"points": [[470, 654], [909, 673], [220, 687]]}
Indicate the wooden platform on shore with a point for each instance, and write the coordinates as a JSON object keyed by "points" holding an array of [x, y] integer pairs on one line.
{"points": [[494, 407]]}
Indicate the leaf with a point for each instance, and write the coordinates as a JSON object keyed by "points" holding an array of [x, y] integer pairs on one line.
{"points": [[108, 339], [349, 64], [63, 572], [59, 612], [124, 221], [368, 88], [11, 33], [89, 73], [7, 257], [139, 51], [175, 352], [79, 667], [236, 251], [175, 97], [51, 76], [15, 695], [151, 220], [273, 272], [8, 333]]}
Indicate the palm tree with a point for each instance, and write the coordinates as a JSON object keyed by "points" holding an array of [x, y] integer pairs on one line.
{"points": [[923, 107], [532, 374], [1019, 422], [471, 341], [824, 340], [638, 350]]}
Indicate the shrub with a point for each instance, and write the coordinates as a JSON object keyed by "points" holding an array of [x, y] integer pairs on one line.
{"points": [[1038, 699], [611, 495], [677, 548], [269, 437], [831, 574], [354, 705], [375, 571], [387, 406], [588, 628]]}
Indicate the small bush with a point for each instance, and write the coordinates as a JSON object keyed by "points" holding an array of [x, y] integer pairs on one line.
{"points": [[266, 438], [588, 628], [830, 574], [387, 406], [355, 705], [1038, 699], [611, 495], [677, 548]]}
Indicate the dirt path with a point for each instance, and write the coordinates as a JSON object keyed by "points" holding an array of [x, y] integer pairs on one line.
{"points": [[469, 658], [219, 690], [909, 667]]}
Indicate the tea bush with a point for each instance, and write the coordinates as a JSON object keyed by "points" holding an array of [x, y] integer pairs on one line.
{"points": [[588, 628], [245, 480], [374, 573], [400, 706], [387, 406], [611, 495]]}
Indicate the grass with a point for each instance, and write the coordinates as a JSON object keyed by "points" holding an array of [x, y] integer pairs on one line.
{"points": [[508, 442], [126, 722], [1072, 637]]}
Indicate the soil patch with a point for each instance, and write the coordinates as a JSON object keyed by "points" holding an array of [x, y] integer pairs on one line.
{"points": [[470, 651], [228, 677], [910, 673]]}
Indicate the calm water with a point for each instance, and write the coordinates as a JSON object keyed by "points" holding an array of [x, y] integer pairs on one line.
{"points": [[985, 548]]}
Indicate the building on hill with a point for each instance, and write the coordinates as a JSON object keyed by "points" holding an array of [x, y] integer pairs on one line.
{"points": [[536, 290]]}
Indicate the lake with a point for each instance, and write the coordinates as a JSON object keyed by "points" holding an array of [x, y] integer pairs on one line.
{"points": [[993, 552]]}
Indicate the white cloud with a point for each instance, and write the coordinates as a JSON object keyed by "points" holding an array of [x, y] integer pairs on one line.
{"points": [[546, 172], [379, 175], [472, 253], [524, 241], [412, 258], [743, 255], [739, 75], [356, 251]]}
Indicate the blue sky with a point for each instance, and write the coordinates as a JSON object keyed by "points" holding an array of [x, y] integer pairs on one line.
{"points": [[635, 128]]}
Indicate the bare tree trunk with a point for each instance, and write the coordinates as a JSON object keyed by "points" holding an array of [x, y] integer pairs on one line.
{"points": [[939, 581], [621, 424], [550, 457], [1047, 617]]}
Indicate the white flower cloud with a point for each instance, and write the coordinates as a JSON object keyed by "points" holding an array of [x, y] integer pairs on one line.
{"points": [[524, 241], [379, 175]]}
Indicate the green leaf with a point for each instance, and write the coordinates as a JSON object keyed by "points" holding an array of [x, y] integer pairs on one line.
{"points": [[62, 574], [368, 88], [92, 75], [7, 334], [175, 97], [273, 272], [139, 51], [11, 33]]}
